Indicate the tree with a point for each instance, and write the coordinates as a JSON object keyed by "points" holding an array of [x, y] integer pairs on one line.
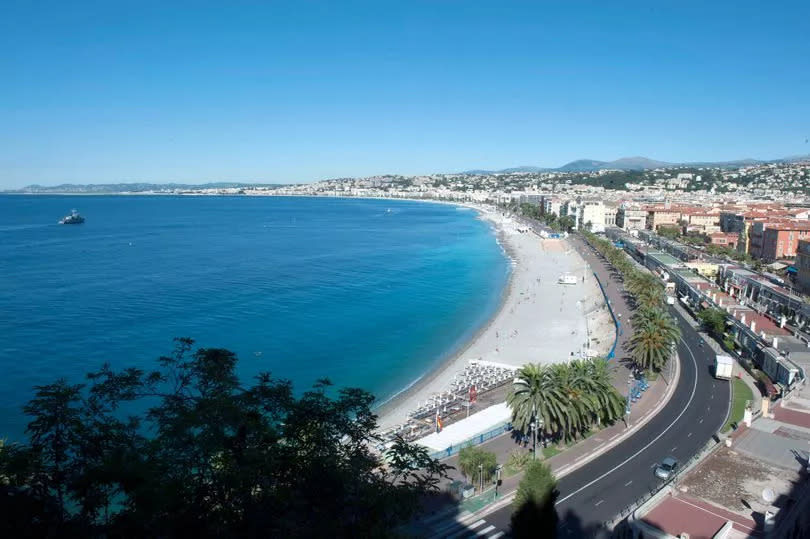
{"points": [[565, 399], [713, 321], [477, 464], [654, 335], [646, 288], [534, 513], [209, 456], [537, 395], [566, 223]]}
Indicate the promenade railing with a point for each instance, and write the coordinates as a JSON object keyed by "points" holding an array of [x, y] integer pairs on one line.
{"points": [[616, 321], [475, 440]]}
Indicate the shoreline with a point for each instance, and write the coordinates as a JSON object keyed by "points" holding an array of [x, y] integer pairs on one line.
{"points": [[387, 406], [521, 329]]}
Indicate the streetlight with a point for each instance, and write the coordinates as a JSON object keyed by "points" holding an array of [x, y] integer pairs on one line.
{"points": [[498, 469], [629, 396], [533, 426], [481, 476]]}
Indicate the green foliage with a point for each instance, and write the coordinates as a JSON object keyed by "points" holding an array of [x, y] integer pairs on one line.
{"points": [[210, 456], [519, 459], [472, 461], [566, 223], [671, 232], [566, 399], [734, 254], [531, 210], [714, 321], [655, 333], [534, 513]]}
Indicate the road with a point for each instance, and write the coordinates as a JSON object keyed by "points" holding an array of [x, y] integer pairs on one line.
{"points": [[601, 489]]}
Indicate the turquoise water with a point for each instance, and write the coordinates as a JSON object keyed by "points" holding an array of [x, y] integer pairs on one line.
{"points": [[369, 293]]}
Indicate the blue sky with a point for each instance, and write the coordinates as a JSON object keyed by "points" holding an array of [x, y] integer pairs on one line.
{"points": [[102, 92]]}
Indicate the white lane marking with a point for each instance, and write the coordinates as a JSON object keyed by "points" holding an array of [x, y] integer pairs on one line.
{"points": [[628, 483], [701, 421], [637, 453], [599, 502], [688, 435], [485, 531], [465, 530], [674, 448], [497, 535]]}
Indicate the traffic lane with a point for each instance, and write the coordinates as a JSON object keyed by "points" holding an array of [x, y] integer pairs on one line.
{"points": [[613, 467], [614, 460], [609, 494]]}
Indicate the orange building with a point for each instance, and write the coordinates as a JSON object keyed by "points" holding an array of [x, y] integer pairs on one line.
{"points": [[777, 239]]}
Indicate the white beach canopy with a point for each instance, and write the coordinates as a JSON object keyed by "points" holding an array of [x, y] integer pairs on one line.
{"points": [[461, 431]]}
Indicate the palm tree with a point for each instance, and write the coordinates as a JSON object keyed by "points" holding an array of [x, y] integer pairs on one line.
{"points": [[536, 394], [652, 340], [608, 402], [473, 461]]}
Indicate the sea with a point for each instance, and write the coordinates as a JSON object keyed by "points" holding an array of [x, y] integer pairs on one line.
{"points": [[368, 293]]}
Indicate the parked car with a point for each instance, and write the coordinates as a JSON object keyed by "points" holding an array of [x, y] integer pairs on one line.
{"points": [[666, 469]]}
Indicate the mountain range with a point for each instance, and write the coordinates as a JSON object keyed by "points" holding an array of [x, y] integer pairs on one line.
{"points": [[636, 163]]}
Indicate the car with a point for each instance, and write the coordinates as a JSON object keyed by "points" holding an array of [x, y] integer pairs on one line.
{"points": [[666, 469]]}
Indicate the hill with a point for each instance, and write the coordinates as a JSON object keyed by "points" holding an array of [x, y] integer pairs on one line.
{"points": [[638, 163]]}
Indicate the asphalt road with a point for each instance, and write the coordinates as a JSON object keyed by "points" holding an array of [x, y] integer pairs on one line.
{"points": [[601, 489]]}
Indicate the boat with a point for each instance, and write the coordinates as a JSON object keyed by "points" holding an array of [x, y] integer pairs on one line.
{"points": [[567, 278], [73, 219]]}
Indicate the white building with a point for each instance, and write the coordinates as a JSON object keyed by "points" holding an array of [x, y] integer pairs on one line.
{"points": [[593, 212], [584, 212]]}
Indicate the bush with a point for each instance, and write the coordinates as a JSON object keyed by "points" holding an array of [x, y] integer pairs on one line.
{"points": [[469, 460], [519, 459]]}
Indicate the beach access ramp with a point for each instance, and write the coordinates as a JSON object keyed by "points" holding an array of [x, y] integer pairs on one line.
{"points": [[467, 429]]}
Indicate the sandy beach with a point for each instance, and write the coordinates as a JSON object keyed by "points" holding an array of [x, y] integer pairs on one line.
{"points": [[539, 321]]}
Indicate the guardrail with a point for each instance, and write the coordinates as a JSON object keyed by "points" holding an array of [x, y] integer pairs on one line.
{"points": [[616, 321], [475, 440]]}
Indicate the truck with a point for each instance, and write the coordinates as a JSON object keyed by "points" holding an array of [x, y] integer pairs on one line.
{"points": [[723, 365]]}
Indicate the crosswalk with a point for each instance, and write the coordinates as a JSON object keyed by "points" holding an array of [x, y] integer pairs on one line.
{"points": [[461, 530]]}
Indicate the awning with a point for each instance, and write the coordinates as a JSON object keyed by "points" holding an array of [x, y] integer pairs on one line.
{"points": [[776, 265], [791, 269]]}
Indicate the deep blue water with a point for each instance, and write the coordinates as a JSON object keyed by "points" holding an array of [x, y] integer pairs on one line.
{"points": [[302, 287]]}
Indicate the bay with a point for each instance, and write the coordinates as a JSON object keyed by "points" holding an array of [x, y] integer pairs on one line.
{"points": [[368, 293]]}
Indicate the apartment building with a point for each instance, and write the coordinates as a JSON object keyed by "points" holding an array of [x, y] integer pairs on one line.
{"points": [[552, 204], [611, 213], [724, 239], [662, 216], [705, 222], [593, 212], [774, 240], [628, 218], [802, 265]]}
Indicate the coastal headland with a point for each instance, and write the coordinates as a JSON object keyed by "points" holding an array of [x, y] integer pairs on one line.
{"points": [[539, 319]]}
